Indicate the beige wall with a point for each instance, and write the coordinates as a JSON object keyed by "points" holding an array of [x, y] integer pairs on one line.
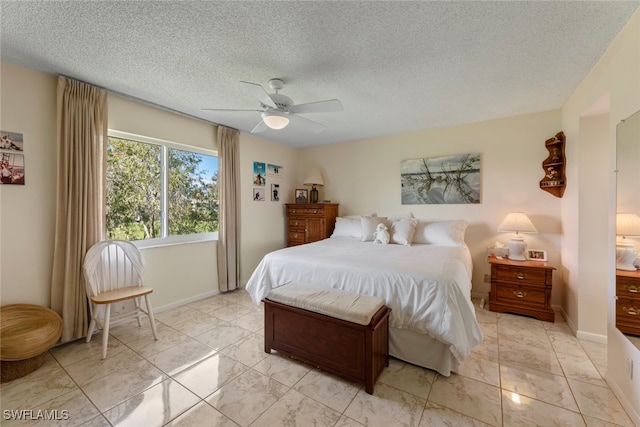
{"points": [[28, 106], [616, 80], [263, 222], [181, 272], [178, 273], [364, 177]]}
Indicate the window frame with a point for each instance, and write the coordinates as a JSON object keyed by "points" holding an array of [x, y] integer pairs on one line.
{"points": [[165, 145]]}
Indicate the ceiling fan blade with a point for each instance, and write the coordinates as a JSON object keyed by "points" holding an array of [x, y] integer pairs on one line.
{"points": [[307, 124], [329, 106], [260, 127], [259, 92], [231, 109]]}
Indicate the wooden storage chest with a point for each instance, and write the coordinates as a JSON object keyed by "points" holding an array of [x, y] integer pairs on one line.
{"points": [[354, 351]]}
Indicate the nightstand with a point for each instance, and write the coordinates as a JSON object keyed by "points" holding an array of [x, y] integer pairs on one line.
{"points": [[628, 301], [310, 222], [522, 287]]}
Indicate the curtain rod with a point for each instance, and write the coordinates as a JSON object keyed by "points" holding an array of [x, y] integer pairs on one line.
{"points": [[160, 107], [150, 104]]}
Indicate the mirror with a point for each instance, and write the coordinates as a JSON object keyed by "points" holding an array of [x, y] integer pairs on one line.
{"points": [[628, 228]]}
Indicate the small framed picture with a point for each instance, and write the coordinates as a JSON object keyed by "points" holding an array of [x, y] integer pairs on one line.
{"points": [[275, 192], [302, 195], [258, 194], [536, 255]]}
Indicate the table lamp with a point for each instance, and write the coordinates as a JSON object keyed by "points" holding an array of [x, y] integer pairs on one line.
{"points": [[519, 223], [627, 225], [314, 178]]}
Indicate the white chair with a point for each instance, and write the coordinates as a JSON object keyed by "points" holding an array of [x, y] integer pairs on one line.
{"points": [[113, 271]]}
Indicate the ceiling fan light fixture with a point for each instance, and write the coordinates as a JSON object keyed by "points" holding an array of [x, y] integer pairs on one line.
{"points": [[275, 120]]}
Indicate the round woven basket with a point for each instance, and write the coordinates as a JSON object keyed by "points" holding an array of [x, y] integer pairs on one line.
{"points": [[27, 331]]}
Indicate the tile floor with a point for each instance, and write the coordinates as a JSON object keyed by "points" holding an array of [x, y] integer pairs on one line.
{"points": [[208, 368]]}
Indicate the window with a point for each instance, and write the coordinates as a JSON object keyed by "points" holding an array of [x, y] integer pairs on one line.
{"points": [[160, 190]]}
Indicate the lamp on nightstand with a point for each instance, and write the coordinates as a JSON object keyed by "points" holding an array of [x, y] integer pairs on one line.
{"points": [[314, 178], [519, 223], [627, 225]]}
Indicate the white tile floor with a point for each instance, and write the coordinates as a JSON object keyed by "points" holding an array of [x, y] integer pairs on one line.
{"points": [[209, 368]]}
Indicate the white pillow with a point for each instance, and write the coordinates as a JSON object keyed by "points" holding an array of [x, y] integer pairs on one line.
{"points": [[402, 231], [358, 216], [347, 227], [368, 226], [443, 233], [398, 217]]}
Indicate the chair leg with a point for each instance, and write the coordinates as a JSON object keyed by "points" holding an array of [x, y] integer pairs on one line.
{"points": [[92, 326], [136, 304], [105, 330], [151, 318]]}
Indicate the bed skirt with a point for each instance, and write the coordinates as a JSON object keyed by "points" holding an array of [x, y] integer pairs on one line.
{"points": [[421, 350]]}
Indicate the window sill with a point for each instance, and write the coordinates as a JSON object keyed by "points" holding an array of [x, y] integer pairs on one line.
{"points": [[176, 240]]}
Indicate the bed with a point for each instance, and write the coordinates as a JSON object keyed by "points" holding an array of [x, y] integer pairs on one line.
{"points": [[426, 284]]}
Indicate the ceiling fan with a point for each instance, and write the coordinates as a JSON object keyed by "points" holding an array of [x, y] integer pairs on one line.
{"points": [[278, 110]]}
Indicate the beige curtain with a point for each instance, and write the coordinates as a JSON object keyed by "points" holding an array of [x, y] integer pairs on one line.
{"points": [[229, 213], [81, 139]]}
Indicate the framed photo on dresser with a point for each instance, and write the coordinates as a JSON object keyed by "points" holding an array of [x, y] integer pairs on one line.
{"points": [[302, 195], [536, 255]]}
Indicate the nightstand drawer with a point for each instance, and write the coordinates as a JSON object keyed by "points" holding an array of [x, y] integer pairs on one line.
{"points": [[628, 315], [296, 237], [305, 212], [520, 294], [517, 274], [296, 223], [627, 287]]}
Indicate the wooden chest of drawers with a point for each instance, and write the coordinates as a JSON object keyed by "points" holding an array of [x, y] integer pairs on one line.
{"points": [[310, 222], [522, 287], [628, 301]]}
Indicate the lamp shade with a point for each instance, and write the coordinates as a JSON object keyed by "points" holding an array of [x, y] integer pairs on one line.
{"points": [[518, 222], [314, 177], [627, 224], [275, 120]]}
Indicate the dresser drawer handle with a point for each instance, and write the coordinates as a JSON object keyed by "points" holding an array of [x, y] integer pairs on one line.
{"points": [[295, 223], [293, 211], [632, 289], [519, 276], [295, 235], [315, 211], [632, 311], [520, 294]]}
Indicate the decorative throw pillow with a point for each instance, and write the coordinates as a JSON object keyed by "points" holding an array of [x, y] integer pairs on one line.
{"points": [[368, 225], [402, 231], [443, 233], [398, 217], [358, 216], [347, 227]]}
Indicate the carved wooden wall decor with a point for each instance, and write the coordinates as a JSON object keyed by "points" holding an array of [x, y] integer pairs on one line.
{"points": [[554, 180]]}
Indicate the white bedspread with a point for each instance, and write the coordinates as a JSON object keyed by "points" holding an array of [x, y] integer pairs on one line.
{"points": [[427, 287]]}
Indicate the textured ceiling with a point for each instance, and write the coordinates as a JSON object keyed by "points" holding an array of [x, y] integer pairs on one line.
{"points": [[396, 66]]}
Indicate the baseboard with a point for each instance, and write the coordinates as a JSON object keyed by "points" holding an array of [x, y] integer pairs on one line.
{"points": [[480, 295], [587, 336], [626, 404], [179, 303]]}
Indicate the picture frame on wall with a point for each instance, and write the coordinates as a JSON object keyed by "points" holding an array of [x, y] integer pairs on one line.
{"points": [[302, 195], [275, 170], [11, 168], [259, 173], [275, 192], [536, 255], [258, 194]]}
